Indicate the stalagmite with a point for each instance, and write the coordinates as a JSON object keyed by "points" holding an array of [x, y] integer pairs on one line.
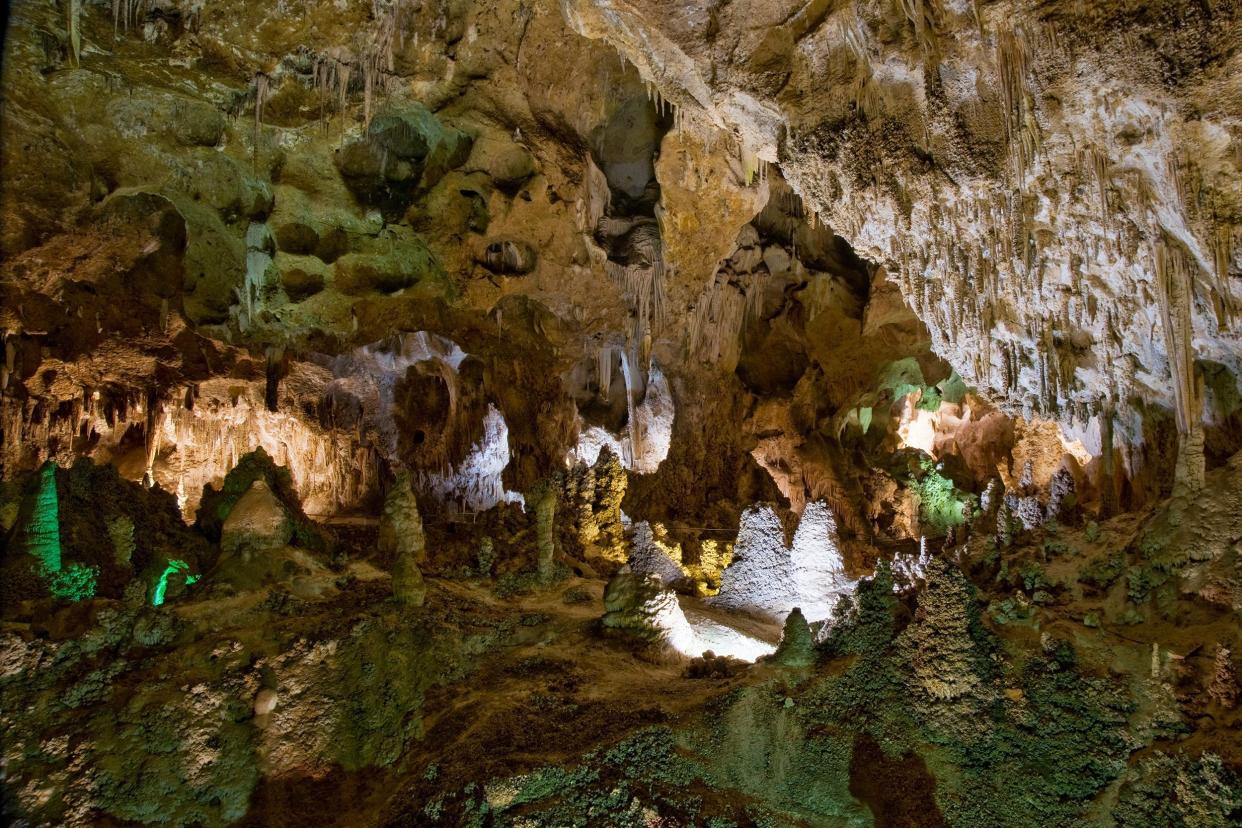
{"points": [[797, 647], [408, 586], [543, 500], [649, 557], [580, 491], [401, 525], [1224, 689], [1004, 526], [1108, 490], [640, 606], [769, 578], [401, 535], [610, 485], [1062, 499]]}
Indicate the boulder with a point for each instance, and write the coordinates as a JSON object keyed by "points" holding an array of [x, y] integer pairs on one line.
{"points": [[404, 151], [217, 505], [226, 185], [507, 163], [405, 263], [301, 276], [777, 259], [197, 123]]}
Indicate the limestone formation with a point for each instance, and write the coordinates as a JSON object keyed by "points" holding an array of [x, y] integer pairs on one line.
{"points": [[797, 648], [1224, 688], [642, 607], [649, 557], [909, 571], [408, 586], [595, 493], [943, 653], [1004, 525], [760, 577], [768, 577], [486, 556], [543, 499], [401, 526], [818, 569], [256, 523], [401, 536], [1027, 511], [610, 483], [1062, 499], [121, 533], [887, 351]]}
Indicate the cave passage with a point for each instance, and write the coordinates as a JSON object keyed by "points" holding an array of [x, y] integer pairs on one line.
{"points": [[515, 413]]}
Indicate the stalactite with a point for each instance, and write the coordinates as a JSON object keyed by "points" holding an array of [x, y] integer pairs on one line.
{"points": [[1013, 67], [714, 334], [151, 436], [10, 360], [603, 372], [261, 89], [635, 427], [72, 12], [923, 15], [185, 448], [1174, 280], [126, 12], [1222, 245], [476, 483], [598, 198], [253, 290], [641, 279]]}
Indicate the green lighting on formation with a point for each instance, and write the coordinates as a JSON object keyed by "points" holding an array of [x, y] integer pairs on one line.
{"points": [[161, 586], [43, 534], [74, 582]]}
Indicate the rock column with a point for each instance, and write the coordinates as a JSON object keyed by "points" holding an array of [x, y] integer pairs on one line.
{"points": [[401, 534]]}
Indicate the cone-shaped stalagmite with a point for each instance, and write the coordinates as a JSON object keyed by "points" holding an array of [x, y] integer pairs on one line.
{"points": [[610, 483], [797, 647]]}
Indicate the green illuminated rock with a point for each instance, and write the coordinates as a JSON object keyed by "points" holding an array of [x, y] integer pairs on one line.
{"points": [[43, 529], [174, 568], [75, 582]]}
